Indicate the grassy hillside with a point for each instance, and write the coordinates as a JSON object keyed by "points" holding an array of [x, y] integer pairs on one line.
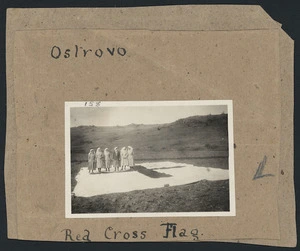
{"points": [[188, 138]]}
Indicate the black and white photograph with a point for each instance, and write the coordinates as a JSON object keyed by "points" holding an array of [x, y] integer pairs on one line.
{"points": [[149, 159]]}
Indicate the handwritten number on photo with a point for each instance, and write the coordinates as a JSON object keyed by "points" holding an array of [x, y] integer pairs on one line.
{"points": [[93, 104]]}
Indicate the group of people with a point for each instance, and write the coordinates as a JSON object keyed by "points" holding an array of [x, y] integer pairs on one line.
{"points": [[119, 160]]}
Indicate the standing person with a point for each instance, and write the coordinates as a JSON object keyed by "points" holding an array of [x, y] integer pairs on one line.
{"points": [[107, 159], [91, 160], [130, 156], [124, 158], [121, 156], [100, 159], [116, 159]]}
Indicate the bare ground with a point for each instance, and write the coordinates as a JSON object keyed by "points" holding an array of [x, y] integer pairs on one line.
{"points": [[202, 196]]}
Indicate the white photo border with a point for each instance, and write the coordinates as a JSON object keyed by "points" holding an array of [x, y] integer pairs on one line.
{"points": [[68, 195]]}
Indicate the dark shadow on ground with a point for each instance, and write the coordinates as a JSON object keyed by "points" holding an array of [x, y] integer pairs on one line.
{"points": [[141, 169], [148, 172], [171, 167]]}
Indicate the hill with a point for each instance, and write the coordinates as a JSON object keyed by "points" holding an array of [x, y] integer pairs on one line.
{"points": [[191, 137]]}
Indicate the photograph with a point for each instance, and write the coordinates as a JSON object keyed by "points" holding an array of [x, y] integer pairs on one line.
{"points": [[149, 158]]}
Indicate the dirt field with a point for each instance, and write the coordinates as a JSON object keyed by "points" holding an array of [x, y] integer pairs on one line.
{"points": [[202, 196]]}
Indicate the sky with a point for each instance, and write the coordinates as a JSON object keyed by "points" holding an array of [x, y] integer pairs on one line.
{"points": [[113, 116]]}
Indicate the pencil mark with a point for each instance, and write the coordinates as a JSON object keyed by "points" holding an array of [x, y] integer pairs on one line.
{"points": [[260, 169]]}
